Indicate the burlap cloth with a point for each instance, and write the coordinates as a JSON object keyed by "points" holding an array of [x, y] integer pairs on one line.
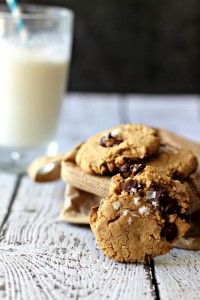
{"points": [[84, 190]]}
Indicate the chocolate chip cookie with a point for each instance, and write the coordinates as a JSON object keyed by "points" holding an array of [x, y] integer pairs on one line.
{"points": [[142, 216], [102, 153], [174, 162]]}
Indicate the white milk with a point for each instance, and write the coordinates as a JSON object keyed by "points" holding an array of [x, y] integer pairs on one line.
{"points": [[32, 83]]}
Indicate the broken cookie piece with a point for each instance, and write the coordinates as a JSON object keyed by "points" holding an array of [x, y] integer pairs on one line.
{"points": [[142, 216]]}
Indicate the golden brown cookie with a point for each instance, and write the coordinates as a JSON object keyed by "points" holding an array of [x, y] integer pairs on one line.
{"points": [[101, 153], [142, 216]]}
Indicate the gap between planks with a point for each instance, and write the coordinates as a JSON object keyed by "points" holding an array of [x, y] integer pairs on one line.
{"points": [[12, 199]]}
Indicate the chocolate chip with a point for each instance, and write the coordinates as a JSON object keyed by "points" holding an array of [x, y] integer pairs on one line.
{"points": [[115, 141], [110, 141], [125, 167], [160, 195], [132, 186], [103, 141], [167, 205], [171, 206], [169, 231], [129, 168], [136, 168], [154, 186], [184, 217]]}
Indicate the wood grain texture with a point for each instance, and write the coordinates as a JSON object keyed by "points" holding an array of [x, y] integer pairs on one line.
{"points": [[178, 275]]}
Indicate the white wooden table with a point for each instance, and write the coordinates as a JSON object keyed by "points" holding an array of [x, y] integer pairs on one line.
{"points": [[44, 258]]}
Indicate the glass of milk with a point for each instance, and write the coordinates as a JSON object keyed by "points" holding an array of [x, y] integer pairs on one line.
{"points": [[34, 68]]}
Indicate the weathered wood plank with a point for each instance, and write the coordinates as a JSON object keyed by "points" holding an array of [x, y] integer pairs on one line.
{"points": [[43, 258], [7, 186], [178, 275], [179, 114]]}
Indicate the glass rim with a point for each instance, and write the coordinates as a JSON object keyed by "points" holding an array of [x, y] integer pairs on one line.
{"points": [[40, 12]]}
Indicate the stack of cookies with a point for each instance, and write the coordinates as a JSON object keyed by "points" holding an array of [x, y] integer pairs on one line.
{"points": [[135, 182], [144, 211]]}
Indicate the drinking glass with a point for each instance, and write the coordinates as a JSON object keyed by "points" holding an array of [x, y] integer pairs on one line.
{"points": [[35, 53]]}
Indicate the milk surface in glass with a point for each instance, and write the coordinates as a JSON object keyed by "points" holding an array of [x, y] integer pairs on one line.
{"points": [[32, 83]]}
